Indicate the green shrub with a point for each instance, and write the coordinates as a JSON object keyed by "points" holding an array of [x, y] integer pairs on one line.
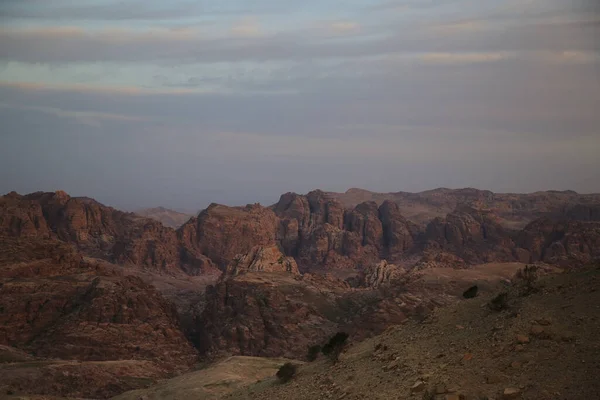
{"points": [[499, 303], [334, 347], [527, 277], [286, 372], [313, 352]]}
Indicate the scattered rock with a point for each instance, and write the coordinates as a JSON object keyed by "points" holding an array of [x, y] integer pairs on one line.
{"points": [[519, 347], [544, 321], [441, 389], [567, 337], [540, 332], [391, 366], [522, 339], [511, 393], [418, 386]]}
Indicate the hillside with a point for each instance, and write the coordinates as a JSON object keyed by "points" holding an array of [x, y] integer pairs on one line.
{"points": [[543, 346], [116, 301]]}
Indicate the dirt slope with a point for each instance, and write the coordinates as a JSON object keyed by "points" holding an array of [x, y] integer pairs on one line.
{"points": [[544, 346], [212, 382]]}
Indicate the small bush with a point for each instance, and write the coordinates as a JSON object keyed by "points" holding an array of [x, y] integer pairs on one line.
{"points": [[499, 303], [313, 352], [527, 277], [286, 372], [471, 292], [334, 347]]}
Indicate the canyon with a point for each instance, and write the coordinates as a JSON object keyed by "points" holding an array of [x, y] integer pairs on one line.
{"points": [[119, 301]]}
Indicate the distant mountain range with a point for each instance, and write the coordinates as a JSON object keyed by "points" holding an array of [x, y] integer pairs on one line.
{"points": [[170, 218]]}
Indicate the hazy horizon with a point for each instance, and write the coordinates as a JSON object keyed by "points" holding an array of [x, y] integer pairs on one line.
{"points": [[141, 104]]}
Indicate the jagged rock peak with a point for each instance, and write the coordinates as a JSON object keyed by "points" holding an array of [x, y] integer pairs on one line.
{"points": [[377, 275], [262, 259]]}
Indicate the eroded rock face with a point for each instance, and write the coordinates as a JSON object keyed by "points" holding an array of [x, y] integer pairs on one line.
{"points": [[567, 242], [262, 259], [318, 231], [377, 275], [264, 314], [220, 232], [95, 229], [60, 306], [398, 233], [20, 217], [473, 235]]}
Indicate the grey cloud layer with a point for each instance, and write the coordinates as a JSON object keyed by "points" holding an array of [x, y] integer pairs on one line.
{"points": [[75, 45], [495, 102]]}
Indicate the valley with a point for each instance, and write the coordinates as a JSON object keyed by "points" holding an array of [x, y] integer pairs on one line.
{"points": [[95, 302]]}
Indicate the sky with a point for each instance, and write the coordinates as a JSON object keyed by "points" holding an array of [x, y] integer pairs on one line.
{"points": [[182, 103]]}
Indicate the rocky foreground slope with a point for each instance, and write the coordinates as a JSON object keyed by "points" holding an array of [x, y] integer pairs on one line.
{"points": [[541, 346]]}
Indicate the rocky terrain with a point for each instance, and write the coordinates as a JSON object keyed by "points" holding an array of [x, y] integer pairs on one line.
{"points": [[543, 345], [170, 218], [95, 301], [515, 210], [97, 321], [316, 229]]}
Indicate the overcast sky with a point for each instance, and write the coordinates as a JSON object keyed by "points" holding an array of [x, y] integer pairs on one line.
{"points": [[184, 102]]}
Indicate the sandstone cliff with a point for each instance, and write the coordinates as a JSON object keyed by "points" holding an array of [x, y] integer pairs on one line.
{"points": [[55, 304]]}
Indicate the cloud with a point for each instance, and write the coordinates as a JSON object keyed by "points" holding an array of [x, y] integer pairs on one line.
{"points": [[83, 88], [460, 27], [247, 27], [569, 57], [247, 40], [344, 27], [465, 58], [91, 118]]}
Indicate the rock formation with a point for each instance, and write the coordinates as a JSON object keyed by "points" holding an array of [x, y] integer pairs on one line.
{"points": [[55, 304], [262, 259], [377, 275], [473, 235], [220, 232], [564, 242], [95, 229]]}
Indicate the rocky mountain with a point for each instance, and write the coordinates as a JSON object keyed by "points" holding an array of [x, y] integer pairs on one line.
{"points": [[96, 230], [56, 304], [315, 229], [170, 218], [514, 210], [87, 290]]}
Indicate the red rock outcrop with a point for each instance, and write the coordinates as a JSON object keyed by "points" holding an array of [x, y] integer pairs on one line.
{"points": [[470, 234], [318, 231], [380, 274], [265, 314], [95, 229], [564, 242], [220, 232], [262, 259], [514, 210], [56, 305]]}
